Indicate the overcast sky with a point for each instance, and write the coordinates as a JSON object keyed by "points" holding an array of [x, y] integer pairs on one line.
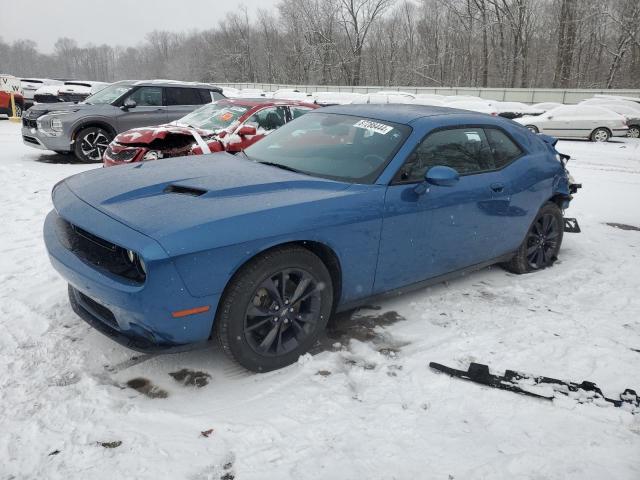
{"points": [[114, 22]]}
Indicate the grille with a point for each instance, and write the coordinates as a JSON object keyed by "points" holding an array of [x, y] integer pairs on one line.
{"points": [[45, 98], [73, 97], [98, 252], [123, 155], [101, 311]]}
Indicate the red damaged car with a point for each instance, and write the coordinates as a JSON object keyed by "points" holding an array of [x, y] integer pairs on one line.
{"points": [[225, 125]]}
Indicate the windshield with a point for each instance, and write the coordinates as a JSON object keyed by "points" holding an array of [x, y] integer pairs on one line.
{"points": [[108, 94], [339, 147], [214, 116]]}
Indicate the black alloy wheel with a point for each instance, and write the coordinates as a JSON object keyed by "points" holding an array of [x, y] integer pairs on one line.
{"points": [[274, 308], [542, 241], [541, 245], [283, 312]]}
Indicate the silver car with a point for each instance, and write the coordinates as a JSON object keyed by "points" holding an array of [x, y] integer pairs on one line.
{"points": [[86, 129]]}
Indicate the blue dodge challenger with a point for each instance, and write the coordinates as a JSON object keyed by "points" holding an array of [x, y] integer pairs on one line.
{"points": [[344, 204]]}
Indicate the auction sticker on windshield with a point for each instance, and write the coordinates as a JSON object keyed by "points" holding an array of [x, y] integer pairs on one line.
{"points": [[375, 126]]}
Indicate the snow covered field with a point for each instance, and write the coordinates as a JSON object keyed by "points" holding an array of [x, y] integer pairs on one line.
{"points": [[369, 409]]}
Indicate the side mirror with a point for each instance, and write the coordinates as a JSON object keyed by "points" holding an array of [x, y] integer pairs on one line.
{"points": [[441, 176], [246, 130], [549, 117], [128, 104]]}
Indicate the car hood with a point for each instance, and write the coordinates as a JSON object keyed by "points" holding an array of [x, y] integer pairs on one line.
{"points": [[171, 198], [70, 107], [146, 135]]}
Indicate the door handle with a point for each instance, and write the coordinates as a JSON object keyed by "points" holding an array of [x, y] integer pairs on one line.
{"points": [[497, 187]]}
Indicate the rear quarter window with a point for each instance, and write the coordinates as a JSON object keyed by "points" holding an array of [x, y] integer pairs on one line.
{"points": [[503, 148]]}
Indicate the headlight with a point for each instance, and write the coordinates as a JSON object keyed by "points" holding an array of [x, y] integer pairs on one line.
{"points": [[50, 123], [136, 261], [56, 125]]}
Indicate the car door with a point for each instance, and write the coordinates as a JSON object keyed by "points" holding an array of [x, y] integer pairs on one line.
{"points": [[431, 230], [562, 122], [181, 101], [149, 109]]}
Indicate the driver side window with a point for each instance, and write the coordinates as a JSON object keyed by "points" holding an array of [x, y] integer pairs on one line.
{"points": [[464, 149], [147, 97], [268, 118]]}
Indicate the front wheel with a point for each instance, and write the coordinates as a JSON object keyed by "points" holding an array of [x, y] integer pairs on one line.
{"points": [[541, 244], [274, 309], [600, 135], [634, 131], [533, 128], [91, 143]]}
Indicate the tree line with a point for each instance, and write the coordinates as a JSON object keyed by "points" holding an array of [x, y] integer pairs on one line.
{"points": [[467, 43]]}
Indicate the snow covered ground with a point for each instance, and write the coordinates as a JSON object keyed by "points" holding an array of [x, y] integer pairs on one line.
{"points": [[371, 409]]}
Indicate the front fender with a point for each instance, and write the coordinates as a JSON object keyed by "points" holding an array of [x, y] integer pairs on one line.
{"points": [[353, 235]]}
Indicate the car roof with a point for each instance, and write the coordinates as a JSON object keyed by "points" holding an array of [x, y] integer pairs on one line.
{"points": [[169, 83], [396, 112]]}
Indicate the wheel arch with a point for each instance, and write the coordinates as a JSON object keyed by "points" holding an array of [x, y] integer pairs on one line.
{"points": [[324, 252], [92, 123]]}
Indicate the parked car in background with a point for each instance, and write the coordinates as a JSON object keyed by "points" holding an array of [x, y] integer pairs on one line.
{"points": [[618, 97], [336, 98], [481, 106], [87, 128], [252, 93], [341, 205], [5, 103], [78, 90], [546, 106], [226, 125], [67, 91], [603, 102], [631, 114], [31, 85], [591, 122], [47, 94], [384, 97], [516, 109]]}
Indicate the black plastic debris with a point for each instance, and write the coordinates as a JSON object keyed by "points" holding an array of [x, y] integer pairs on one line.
{"points": [[522, 383]]}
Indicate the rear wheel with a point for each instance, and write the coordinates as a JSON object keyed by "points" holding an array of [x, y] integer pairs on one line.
{"points": [[91, 143], [274, 309], [634, 131], [541, 244], [600, 135], [18, 110]]}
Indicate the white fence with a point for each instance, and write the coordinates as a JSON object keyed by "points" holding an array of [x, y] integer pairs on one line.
{"points": [[526, 95]]}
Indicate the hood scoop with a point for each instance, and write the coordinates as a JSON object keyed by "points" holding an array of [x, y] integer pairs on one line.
{"points": [[181, 190]]}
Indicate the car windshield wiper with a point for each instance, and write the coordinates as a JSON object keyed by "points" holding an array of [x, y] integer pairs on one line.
{"points": [[279, 165]]}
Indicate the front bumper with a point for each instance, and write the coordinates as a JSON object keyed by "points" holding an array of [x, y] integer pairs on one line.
{"points": [[138, 316], [33, 137]]}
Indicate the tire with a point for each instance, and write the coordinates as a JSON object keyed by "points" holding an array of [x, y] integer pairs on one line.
{"points": [[262, 329], [541, 244], [91, 143], [532, 128], [600, 135], [634, 131]]}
